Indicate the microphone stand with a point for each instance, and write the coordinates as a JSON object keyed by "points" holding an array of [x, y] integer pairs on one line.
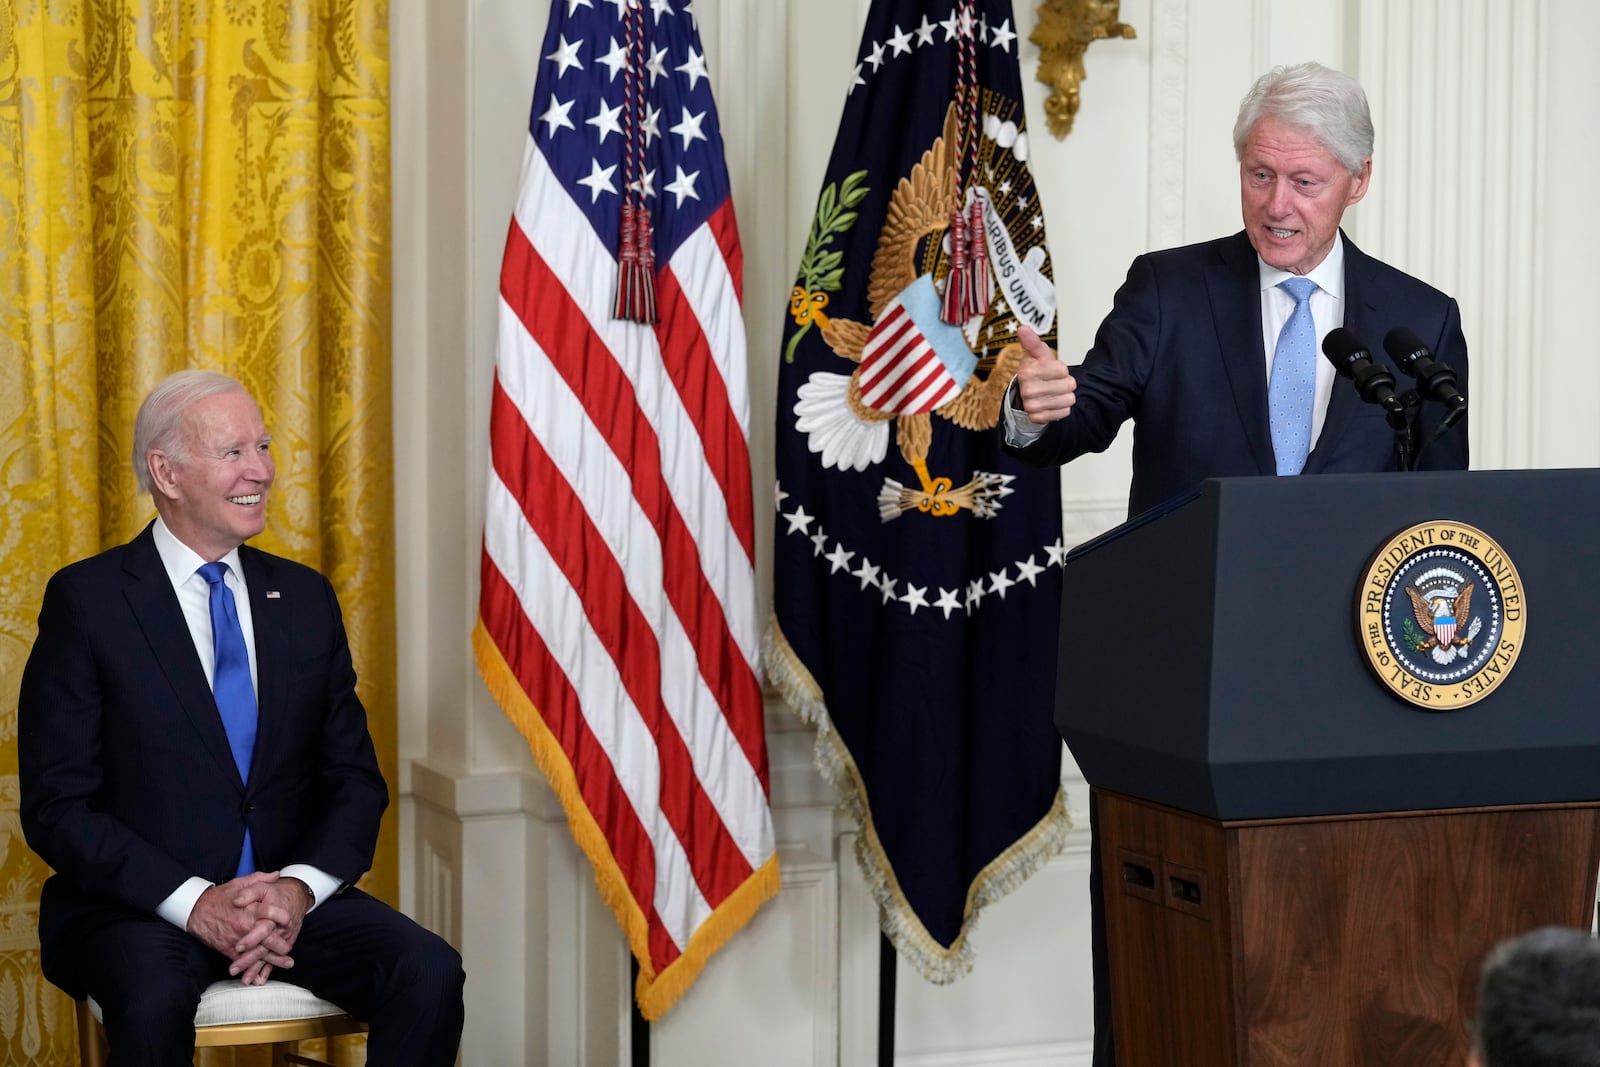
{"points": [[1402, 419]]}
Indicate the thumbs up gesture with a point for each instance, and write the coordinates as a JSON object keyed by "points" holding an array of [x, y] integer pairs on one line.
{"points": [[1044, 384]]}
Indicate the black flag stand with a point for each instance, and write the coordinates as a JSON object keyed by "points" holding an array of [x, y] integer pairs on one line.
{"points": [[639, 1027], [887, 958]]}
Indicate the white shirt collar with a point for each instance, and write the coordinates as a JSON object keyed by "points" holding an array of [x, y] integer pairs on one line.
{"points": [[181, 561], [1329, 274]]}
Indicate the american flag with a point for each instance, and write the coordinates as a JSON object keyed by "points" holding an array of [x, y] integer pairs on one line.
{"points": [[617, 620]]}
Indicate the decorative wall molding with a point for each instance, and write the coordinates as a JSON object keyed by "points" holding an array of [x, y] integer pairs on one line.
{"points": [[1060, 1054], [1459, 106], [1169, 120], [813, 882], [1088, 517], [859, 940], [772, 988]]}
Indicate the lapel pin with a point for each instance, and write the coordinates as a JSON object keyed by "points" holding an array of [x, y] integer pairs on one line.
{"points": [[273, 594]]}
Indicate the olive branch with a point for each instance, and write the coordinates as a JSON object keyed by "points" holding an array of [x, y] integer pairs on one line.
{"points": [[820, 270], [1413, 634]]}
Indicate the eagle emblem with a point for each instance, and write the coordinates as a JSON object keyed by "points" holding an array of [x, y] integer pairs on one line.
{"points": [[1440, 614], [910, 365], [1451, 638]]}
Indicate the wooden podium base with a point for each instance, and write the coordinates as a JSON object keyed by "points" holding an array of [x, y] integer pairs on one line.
{"points": [[1347, 940]]}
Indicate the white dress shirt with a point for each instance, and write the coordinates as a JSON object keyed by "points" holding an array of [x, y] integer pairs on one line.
{"points": [[183, 565]]}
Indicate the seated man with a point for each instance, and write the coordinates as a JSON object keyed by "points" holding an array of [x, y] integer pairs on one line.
{"points": [[1539, 1002], [196, 766]]}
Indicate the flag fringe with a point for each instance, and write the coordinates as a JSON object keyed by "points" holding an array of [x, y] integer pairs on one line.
{"points": [[1006, 872], [655, 992], [656, 996]]}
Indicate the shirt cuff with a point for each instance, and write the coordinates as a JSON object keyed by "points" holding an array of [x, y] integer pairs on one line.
{"points": [[323, 885], [176, 908], [1019, 431]]}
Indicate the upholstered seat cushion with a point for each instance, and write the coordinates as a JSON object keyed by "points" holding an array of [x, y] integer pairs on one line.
{"points": [[233, 1002]]}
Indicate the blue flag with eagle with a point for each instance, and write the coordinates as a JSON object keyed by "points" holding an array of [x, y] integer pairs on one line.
{"points": [[917, 568]]}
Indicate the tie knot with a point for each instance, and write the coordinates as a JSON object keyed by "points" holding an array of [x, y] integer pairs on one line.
{"points": [[213, 573], [1299, 288]]}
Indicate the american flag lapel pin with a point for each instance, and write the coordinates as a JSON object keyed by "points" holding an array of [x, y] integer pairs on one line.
{"points": [[273, 594]]}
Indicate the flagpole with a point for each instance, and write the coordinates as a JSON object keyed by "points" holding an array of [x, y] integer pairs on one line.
{"points": [[887, 958], [639, 1026]]}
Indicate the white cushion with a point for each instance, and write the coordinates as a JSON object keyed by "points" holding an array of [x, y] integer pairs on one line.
{"points": [[232, 1001]]}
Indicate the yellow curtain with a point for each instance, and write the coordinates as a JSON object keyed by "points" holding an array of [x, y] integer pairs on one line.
{"points": [[188, 183]]}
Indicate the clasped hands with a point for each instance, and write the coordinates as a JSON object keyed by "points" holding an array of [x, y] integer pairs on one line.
{"points": [[253, 920]]}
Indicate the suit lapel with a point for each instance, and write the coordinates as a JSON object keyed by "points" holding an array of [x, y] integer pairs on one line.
{"points": [[1234, 285], [1359, 315], [155, 606], [271, 648]]}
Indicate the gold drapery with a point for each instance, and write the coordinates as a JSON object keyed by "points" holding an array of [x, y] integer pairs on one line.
{"points": [[188, 183]]}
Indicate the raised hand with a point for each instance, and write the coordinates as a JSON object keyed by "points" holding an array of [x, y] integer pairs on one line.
{"points": [[1044, 383]]}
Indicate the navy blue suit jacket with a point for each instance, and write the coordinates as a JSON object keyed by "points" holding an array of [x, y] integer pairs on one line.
{"points": [[1180, 354], [128, 784]]}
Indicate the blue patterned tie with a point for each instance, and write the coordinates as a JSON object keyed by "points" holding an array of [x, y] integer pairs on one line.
{"points": [[1294, 380], [231, 686]]}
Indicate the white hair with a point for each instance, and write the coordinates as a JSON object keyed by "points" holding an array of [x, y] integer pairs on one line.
{"points": [[159, 425], [1328, 104]]}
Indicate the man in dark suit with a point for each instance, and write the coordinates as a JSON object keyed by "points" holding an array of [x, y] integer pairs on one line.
{"points": [[196, 766], [1212, 349], [1189, 346]]}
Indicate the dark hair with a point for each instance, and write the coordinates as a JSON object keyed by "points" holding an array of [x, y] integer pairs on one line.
{"points": [[1539, 1001]]}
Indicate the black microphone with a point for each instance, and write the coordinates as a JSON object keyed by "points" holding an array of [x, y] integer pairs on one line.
{"points": [[1436, 380], [1351, 358]]}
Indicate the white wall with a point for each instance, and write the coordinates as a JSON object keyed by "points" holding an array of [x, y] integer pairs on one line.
{"points": [[1485, 138]]}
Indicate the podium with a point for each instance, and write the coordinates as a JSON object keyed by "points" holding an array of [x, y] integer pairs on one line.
{"points": [[1300, 867]]}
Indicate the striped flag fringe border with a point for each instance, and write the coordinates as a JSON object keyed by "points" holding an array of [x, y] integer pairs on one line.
{"points": [[655, 993], [1006, 873]]}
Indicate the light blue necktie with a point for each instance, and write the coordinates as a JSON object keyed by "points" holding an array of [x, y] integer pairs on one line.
{"points": [[231, 686], [1294, 380]]}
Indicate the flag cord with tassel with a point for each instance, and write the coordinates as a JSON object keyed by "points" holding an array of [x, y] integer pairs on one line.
{"points": [[968, 281], [636, 261]]}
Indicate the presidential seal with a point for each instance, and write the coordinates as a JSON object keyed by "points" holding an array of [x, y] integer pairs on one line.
{"points": [[1441, 614]]}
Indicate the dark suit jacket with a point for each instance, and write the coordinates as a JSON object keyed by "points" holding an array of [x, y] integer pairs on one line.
{"points": [[1181, 355], [128, 785]]}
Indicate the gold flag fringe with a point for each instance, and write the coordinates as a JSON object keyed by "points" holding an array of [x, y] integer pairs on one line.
{"points": [[655, 992], [1005, 873]]}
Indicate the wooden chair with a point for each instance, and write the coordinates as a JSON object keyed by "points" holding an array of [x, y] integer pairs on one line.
{"points": [[279, 1014]]}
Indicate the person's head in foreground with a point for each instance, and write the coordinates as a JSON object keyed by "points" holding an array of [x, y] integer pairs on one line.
{"points": [[1539, 1002]]}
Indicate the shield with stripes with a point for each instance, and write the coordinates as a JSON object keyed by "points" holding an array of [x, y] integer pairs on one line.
{"points": [[912, 362]]}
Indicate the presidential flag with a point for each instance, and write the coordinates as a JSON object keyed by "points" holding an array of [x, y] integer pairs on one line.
{"points": [[617, 615], [917, 568]]}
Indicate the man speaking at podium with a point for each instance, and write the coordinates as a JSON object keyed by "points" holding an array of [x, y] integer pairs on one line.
{"points": [[1212, 349]]}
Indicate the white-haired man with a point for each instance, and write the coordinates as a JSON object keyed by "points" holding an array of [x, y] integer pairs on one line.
{"points": [[1212, 349], [197, 769]]}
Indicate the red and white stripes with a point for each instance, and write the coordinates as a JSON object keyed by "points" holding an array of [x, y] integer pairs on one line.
{"points": [[618, 574]]}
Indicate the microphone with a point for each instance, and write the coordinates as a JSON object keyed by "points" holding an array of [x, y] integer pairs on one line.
{"points": [[1436, 380], [1373, 381]]}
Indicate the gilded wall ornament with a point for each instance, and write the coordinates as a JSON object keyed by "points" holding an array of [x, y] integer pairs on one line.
{"points": [[1065, 30]]}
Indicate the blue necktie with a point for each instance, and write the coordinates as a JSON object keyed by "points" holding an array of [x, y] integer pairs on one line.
{"points": [[231, 686], [1294, 380]]}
